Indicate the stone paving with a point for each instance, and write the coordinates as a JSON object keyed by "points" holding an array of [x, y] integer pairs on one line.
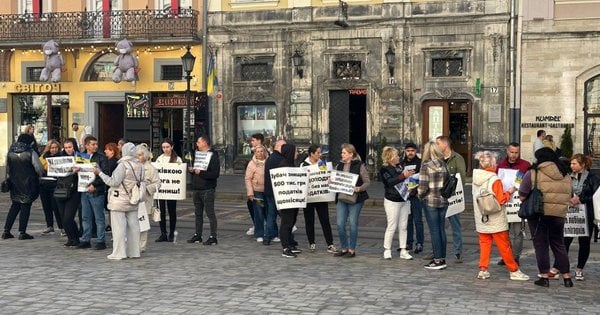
{"points": [[241, 276]]}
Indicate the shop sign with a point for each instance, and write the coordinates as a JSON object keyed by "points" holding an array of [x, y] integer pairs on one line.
{"points": [[171, 102], [548, 121], [38, 88], [358, 91]]}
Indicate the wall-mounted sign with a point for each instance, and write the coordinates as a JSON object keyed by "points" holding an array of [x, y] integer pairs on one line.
{"points": [[495, 113], [358, 91], [38, 88], [436, 121], [137, 105], [170, 102]]}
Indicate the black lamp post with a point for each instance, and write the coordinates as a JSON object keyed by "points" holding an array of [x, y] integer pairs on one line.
{"points": [[390, 58], [187, 61]]}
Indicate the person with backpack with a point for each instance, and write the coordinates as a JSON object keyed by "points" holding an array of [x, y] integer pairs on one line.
{"points": [[124, 213], [492, 227]]}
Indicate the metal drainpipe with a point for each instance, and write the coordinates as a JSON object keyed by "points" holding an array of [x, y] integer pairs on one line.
{"points": [[514, 112]]}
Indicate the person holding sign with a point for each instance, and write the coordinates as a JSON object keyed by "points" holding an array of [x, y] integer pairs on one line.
{"points": [[415, 218], [288, 216], [516, 230], [431, 181], [322, 208], [168, 156], [347, 213], [493, 227], [397, 208], [68, 206], [584, 184], [204, 182], [548, 230], [47, 186]]}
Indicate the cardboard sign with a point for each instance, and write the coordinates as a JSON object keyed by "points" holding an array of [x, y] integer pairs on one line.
{"points": [[290, 186], [576, 222], [343, 182], [456, 203], [201, 160], [60, 166], [172, 181], [318, 183]]}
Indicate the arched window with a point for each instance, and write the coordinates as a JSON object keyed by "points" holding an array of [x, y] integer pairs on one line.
{"points": [[101, 69], [591, 112]]}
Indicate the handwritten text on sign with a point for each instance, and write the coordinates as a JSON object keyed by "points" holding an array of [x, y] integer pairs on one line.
{"points": [[456, 203], [290, 185], [343, 182], [60, 166], [318, 183], [172, 181], [201, 160]]}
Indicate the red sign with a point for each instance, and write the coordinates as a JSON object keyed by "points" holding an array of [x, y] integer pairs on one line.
{"points": [[170, 102], [358, 92]]}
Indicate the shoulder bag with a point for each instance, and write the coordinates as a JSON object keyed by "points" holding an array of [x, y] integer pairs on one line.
{"points": [[450, 182], [533, 205]]}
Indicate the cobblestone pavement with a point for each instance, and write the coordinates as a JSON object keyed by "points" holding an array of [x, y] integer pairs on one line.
{"points": [[241, 276]]}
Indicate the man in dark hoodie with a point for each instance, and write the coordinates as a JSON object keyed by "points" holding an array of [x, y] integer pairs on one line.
{"points": [[273, 161], [288, 216], [23, 168]]}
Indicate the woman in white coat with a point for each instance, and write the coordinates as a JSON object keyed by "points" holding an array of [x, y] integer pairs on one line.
{"points": [[123, 214], [152, 184]]}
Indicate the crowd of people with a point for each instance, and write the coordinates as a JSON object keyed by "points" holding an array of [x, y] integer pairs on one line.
{"points": [[125, 165]]}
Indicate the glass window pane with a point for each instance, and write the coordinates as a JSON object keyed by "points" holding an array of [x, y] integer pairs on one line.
{"points": [[101, 69], [171, 72], [252, 119], [31, 110], [592, 95]]}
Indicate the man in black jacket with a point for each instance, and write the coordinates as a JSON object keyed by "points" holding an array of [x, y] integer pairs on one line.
{"points": [[273, 161], [23, 168], [415, 218], [204, 182], [92, 200]]}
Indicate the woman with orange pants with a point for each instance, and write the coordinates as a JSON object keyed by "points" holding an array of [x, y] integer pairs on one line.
{"points": [[493, 227]]}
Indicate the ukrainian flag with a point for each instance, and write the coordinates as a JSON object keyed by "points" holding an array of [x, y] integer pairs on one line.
{"points": [[211, 75]]}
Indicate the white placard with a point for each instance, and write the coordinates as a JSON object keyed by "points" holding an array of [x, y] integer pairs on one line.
{"points": [[143, 217], [86, 176], [172, 181], [404, 188], [456, 203], [512, 208], [509, 178], [576, 222], [596, 203], [290, 185], [60, 166], [343, 182], [318, 183], [201, 160]]}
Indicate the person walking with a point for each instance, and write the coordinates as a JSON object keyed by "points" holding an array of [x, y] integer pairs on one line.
{"points": [[322, 208], [348, 214], [548, 230], [24, 170], [124, 215], [168, 156], [47, 186], [431, 181], [396, 207], [68, 206], [152, 182], [492, 227], [204, 183], [255, 191]]}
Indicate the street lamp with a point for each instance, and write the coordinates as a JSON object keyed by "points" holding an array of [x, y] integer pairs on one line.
{"points": [[298, 62], [187, 61], [390, 58]]}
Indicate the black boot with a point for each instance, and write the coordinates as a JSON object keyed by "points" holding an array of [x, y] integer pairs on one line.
{"points": [[542, 282], [162, 238]]}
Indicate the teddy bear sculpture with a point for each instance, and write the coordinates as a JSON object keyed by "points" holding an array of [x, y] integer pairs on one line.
{"points": [[53, 62], [125, 64]]}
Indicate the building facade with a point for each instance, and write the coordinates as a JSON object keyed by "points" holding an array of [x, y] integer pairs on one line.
{"points": [[146, 109], [364, 72]]}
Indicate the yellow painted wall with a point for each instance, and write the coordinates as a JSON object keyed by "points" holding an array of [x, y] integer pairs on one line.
{"points": [[9, 7]]}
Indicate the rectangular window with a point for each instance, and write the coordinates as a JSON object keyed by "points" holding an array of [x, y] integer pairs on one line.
{"points": [[347, 69], [447, 67], [171, 72], [33, 74], [46, 113], [252, 119], [256, 72]]}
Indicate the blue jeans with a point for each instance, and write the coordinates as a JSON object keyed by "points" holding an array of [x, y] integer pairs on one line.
{"points": [[345, 213], [436, 219], [92, 207], [456, 233], [272, 230], [259, 216], [415, 218]]}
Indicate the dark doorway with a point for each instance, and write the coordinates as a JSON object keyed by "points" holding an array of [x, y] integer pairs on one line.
{"points": [[110, 120], [347, 122], [171, 122]]}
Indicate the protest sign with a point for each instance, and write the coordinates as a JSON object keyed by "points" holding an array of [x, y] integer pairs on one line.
{"points": [[456, 203], [290, 185], [172, 181], [508, 178], [318, 183], [201, 160], [512, 208], [60, 166], [343, 182], [576, 222], [86, 176], [404, 188]]}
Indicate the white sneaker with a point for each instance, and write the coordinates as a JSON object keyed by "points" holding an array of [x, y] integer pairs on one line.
{"points": [[405, 255], [250, 231], [276, 240], [259, 239], [294, 228], [483, 274], [312, 247], [114, 257], [332, 249], [518, 275], [387, 254]]}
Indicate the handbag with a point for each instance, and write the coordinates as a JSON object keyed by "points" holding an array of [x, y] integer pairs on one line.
{"points": [[155, 212], [349, 199], [65, 186], [450, 183], [533, 205], [487, 202]]}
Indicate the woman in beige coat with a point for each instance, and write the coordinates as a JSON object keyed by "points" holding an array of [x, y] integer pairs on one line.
{"points": [[152, 185]]}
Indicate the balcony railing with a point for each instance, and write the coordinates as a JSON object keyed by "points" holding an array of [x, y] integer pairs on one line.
{"points": [[99, 26]]}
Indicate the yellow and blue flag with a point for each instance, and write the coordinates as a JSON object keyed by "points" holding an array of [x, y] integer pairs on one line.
{"points": [[211, 74]]}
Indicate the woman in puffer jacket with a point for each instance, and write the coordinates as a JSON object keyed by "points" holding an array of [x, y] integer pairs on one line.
{"points": [[123, 214], [492, 227]]}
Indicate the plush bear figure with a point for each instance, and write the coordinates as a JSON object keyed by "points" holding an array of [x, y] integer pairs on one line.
{"points": [[125, 63], [53, 62]]}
